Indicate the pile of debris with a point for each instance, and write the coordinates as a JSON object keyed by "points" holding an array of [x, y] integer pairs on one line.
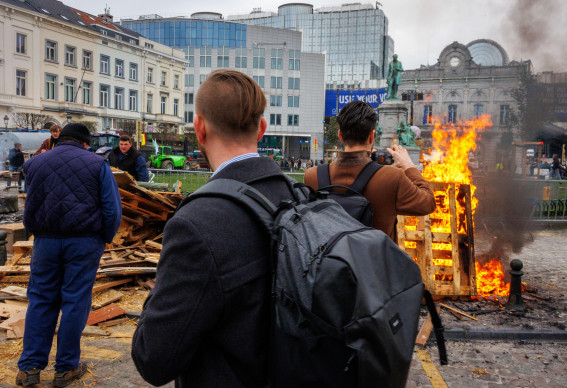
{"points": [[132, 257]]}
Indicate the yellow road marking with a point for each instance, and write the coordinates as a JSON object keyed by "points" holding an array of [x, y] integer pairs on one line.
{"points": [[430, 369]]}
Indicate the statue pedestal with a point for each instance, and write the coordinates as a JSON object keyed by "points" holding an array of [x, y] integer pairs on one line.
{"points": [[392, 112]]}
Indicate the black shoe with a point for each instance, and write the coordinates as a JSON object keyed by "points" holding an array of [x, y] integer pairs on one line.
{"points": [[28, 377], [62, 379]]}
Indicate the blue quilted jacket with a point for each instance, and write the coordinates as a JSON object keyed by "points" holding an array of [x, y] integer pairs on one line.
{"points": [[63, 197]]}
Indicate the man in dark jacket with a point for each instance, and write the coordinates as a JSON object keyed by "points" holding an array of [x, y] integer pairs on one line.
{"points": [[72, 208], [127, 158], [206, 323], [16, 158]]}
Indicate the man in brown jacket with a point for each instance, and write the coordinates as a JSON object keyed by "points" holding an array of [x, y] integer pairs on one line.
{"points": [[397, 189]]}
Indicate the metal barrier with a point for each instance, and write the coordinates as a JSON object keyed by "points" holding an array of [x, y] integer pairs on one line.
{"points": [[191, 180]]}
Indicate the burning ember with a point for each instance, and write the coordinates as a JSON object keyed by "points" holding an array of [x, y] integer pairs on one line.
{"points": [[448, 163]]}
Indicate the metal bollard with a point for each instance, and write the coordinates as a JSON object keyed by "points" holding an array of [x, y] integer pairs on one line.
{"points": [[515, 299], [3, 243]]}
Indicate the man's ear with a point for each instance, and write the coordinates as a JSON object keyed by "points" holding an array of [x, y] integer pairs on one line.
{"points": [[200, 131], [340, 135], [371, 137], [263, 126]]}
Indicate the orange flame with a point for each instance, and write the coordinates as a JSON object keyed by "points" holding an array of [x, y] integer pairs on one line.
{"points": [[490, 279]]}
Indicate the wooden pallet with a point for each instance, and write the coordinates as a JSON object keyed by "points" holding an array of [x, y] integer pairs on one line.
{"points": [[446, 259]]}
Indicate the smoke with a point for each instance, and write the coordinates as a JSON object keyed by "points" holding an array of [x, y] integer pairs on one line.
{"points": [[536, 30]]}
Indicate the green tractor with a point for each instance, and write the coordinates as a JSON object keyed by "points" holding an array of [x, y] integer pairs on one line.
{"points": [[167, 160]]}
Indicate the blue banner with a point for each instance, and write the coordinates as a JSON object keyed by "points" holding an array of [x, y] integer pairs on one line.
{"points": [[335, 100]]}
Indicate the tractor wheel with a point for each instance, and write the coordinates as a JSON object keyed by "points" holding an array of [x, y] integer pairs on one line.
{"points": [[167, 165], [186, 165]]}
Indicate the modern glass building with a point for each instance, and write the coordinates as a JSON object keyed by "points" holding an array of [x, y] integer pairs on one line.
{"points": [[293, 81], [353, 36]]}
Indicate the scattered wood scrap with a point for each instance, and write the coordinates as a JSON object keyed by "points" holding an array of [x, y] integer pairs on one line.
{"points": [[457, 311], [104, 314], [425, 330]]}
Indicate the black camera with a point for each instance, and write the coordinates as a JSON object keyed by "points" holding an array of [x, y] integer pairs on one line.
{"points": [[383, 158]]}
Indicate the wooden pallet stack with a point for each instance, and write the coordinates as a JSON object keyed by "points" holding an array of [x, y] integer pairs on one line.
{"points": [[446, 259]]}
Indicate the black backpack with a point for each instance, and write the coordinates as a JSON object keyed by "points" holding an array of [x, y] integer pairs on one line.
{"points": [[346, 297], [352, 199]]}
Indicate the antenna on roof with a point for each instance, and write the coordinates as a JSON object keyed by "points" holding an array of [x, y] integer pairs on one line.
{"points": [[107, 9]]}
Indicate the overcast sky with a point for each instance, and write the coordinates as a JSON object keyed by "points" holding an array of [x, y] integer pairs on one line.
{"points": [[527, 29]]}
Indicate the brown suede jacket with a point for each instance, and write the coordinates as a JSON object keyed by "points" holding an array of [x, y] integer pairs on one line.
{"points": [[391, 191]]}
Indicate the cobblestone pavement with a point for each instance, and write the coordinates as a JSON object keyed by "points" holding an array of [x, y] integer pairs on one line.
{"points": [[471, 364]]}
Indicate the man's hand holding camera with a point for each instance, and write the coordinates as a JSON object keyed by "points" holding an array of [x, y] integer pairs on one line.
{"points": [[401, 157]]}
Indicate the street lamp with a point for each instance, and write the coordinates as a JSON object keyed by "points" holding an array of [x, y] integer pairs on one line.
{"points": [[6, 120], [69, 117]]}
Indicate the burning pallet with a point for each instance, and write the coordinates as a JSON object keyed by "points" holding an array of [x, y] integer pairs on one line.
{"points": [[442, 243]]}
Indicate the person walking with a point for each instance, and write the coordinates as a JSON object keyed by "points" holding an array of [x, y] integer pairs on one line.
{"points": [[72, 208], [16, 159]]}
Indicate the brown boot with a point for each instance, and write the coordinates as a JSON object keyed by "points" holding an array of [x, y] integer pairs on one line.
{"points": [[62, 379], [28, 377]]}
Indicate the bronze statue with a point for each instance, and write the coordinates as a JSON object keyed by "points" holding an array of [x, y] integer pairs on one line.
{"points": [[395, 70]]}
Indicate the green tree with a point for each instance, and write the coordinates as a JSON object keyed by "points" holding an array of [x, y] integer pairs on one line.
{"points": [[331, 134]]}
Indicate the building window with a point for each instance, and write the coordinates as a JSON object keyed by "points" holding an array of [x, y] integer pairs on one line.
{"points": [[190, 80], [478, 110], [50, 82], [163, 104], [133, 100], [276, 82], [205, 58], [21, 76], [277, 59], [259, 80], [118, 98], [86, 93], [259, 60], [103, 96], [240, 61], [149, 103], [452, 117], [69, 90], [275, 100], [293, 101], [21, 43], [148, 45], [189, 57], [163, 78], [176, 107], [427, 114], [189, 98], [50, 51], [504, 114], [294, 61], [87, 60], [293, 83], [119, 68], [105, 64], [176, 81], [70, 55], [222, 61], [275, 119], [293, 120], [202, 78], [150, 77], [133, 71], [189, 117]]}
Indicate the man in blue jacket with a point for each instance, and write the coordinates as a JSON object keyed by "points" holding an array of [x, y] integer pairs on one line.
{"points": [[72, 208]]}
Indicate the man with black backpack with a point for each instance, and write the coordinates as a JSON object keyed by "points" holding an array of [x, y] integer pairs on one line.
{"points": [[207, 321], [391, 190]]}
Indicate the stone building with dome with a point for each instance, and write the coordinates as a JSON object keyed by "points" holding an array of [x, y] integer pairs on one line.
{"points": [[466, 82]]}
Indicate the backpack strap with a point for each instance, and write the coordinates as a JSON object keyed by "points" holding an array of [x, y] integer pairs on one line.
{"points": [[437, 327], [364, 176], [241, 193], [323, 175]]}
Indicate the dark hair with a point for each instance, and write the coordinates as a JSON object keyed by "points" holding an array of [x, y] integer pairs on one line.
{"points": [[356, 121], [66, 139], [231, 102], [125, 138]]}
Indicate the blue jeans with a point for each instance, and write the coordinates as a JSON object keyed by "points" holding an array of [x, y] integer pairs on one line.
{"points": [[63, 272], [16, 169]]}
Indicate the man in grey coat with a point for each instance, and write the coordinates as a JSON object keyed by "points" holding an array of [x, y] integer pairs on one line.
{"points": [[206, 323]]}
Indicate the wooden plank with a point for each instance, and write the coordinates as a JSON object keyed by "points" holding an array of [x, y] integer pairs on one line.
{"points": [[15, 279], [153, 244], [425, 330], [114, 322], [150, 259], [104, 314], [19, 269], [107, 285], [457, 311], [107, 297], [454, 240], [15, 290], [470, 242]]}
